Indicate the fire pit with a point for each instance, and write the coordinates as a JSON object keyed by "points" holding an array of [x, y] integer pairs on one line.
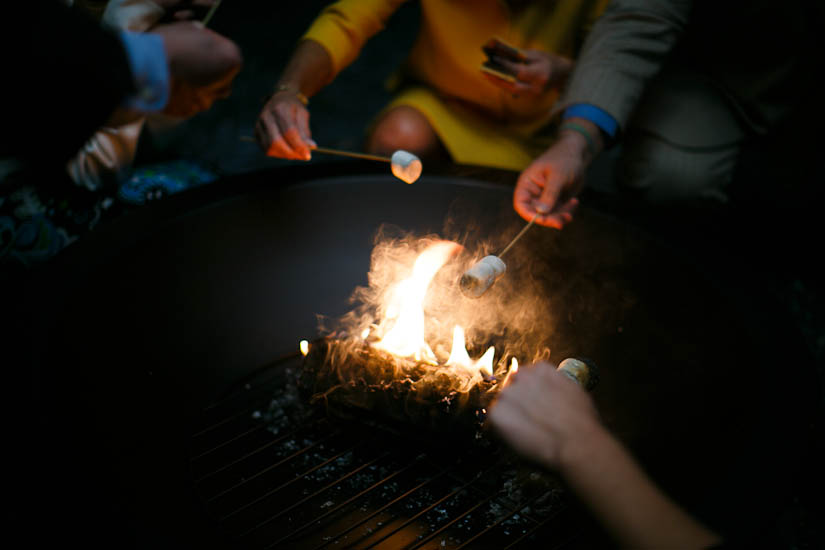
{"points": [[159, 393]]}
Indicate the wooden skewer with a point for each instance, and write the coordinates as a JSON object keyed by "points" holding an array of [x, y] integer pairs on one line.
{"points": [[517, 237], [328, 151], [211, 12]]}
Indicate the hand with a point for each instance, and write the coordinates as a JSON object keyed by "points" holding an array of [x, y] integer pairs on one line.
{"points": [[550, 185], [545, 416], [282, 129], [202, 65], [540, 72]]}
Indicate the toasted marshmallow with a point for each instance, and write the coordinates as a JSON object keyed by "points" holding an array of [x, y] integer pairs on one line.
{"points": [[481, 276], [406, 166]]}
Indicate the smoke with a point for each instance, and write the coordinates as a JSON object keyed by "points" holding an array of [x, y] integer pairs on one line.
{"points": [[515, 315]]}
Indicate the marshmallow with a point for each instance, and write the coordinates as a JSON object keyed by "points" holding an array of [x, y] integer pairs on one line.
{"points": [[406, 166], [482, 275]]}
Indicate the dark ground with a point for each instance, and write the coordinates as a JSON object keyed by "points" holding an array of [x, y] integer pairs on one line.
{"points": [[773, 232]]}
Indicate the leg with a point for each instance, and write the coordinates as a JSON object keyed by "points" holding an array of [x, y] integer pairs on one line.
{"points": [[662, 172], [683, 142], [404, 127]]}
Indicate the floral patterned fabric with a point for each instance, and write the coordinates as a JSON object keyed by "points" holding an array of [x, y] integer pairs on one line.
{"points": [[38, 220]]}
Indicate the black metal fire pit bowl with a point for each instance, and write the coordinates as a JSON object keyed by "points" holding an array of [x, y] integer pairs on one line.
{"points": [[162, 348]]}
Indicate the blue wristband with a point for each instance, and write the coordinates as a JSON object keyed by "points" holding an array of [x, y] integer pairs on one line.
{"points": [[599, 117]]}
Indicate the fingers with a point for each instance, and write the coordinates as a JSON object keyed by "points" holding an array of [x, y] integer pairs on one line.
{"points": [[531, 76], [505, 85], [282, 131], [303, 128], [541, 201], [509, 66]]}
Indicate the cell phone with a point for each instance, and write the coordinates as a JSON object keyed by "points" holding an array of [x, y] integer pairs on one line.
{"points": [[494, 49], [494, 69]]}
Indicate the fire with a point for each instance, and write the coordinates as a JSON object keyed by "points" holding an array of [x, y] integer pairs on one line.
{"points": [[405, 311], [512, 371], [405, 319], [460, 358]]}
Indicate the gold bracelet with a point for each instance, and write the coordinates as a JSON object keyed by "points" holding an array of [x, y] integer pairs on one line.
{"points": [[301, 97]]}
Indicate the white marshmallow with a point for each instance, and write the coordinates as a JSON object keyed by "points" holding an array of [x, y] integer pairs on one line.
{"points": [[481, 276], [406, 166]]}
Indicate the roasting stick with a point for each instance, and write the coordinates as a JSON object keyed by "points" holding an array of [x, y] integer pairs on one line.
{"points": [[211, 12], [517, 237], [476, 280], [405, 166]]}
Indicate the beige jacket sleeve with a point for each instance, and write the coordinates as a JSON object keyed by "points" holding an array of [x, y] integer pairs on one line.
{"points": [[626, 48]]}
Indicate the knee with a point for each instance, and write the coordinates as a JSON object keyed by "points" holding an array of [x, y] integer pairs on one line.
{"points": [[661, 172], [403, 128]]}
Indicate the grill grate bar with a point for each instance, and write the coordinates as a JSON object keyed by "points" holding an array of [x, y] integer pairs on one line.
{"points": [[250, 453], [498, 522], [449, 523], [291, 481], [228, 442], [348, 501], [381, 509], [313, 495], [256, 393], [245, 413], [535, 529], [271, 466], [269, 367], [430, 507]]}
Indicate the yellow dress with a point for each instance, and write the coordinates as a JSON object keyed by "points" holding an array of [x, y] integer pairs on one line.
{"points": [[478, 122]]}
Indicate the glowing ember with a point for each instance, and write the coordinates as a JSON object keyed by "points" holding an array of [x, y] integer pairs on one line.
{"points": [[405, 313]]}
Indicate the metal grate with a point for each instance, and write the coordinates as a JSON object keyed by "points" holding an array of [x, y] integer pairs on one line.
{"points": [[274, 475]]}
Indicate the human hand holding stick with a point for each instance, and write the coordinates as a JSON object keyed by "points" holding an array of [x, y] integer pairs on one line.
{"points": [[553, 422]]}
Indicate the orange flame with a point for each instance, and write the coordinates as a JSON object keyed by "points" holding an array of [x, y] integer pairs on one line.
{"points": [[405, 313]]}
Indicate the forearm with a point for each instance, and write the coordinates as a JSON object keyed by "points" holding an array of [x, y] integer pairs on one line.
{"points": [[582, 136], [631, 507], [308, 70]]}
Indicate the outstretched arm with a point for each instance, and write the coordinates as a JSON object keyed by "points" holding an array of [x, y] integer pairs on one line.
{"points": [[549, 419]]}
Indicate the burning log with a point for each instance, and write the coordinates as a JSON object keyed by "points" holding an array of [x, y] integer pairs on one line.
{"points": [[347, 379], [351, 380], [397, 367]]}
